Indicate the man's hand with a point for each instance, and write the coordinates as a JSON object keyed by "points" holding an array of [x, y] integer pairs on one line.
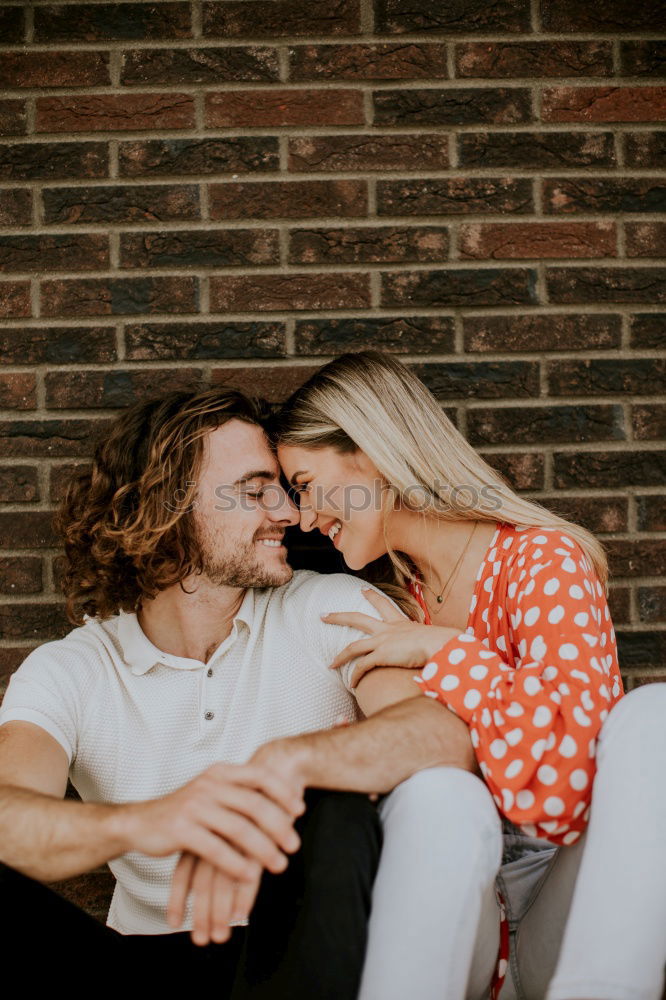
{"points": [[218, 900]]}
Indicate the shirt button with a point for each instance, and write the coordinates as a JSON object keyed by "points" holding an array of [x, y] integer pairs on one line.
{"points": [[209, 715], [209, 672]]}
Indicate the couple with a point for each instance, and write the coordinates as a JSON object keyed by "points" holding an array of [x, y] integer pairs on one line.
{"points": [[194, 710]]}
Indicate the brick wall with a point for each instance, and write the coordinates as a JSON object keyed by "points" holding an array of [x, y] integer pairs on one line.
{"points": [[237, 191]]}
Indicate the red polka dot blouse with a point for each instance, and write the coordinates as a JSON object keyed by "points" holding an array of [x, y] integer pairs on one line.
{"points": [[534, 675]]}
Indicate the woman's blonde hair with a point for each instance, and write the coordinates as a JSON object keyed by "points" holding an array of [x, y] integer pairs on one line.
{"points": [[372, 402]]}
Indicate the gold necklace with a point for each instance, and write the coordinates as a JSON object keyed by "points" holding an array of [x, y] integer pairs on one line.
{"points": [[440, 597]]}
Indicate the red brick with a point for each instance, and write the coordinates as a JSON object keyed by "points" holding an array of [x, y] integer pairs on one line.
{"points": [[604, 104], [258, 108], [646, 239], [62, 475], [288, 199], [370, 244], [54, 69], [285, 291], [15, 299], [15, 207], [13, 119], [382, 61], [118, 296], [515, 240], [20, 575], [368, 151], [19, 484], [114, 112], [273, 383], [18, 391], [115, 388], [50, 438], [534, 59]]}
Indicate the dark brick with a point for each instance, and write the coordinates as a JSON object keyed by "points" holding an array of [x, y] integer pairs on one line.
{"points": [[19, 484], [80, 251], [91, 892], [606, 469], [396, 334], [27, 529], [33, 622], [645, 149], [599, 514], [603, 104], [536, 150], [259, 108], [15, 207], [621, 284], [388, 244], [620, 15], [367, 151], [651, 512], [651, 604], [288, 199], [54, 69], [538, 332], [114, 112], [464, 16], [648, 330], [20, 575], [15, 299], [523, 470], [47, 161], [637, 556], [284, 291], [649, 421], [111, 22], [173, 157], [200, 248], [462, 106], [176, 66], [126, 203], [646, 239], [62, 475], [57, 345], [608, 194], [204, 341], [114, 389], [118, 296], [454, 196], [468, 287], [485, 380], [382, 61], [548, 424], [594, 377], [543, 240], [641, 649], [275, 383], [18, 391], [49, 438], [619, 605], [534, 59], [13, 119], [277, 18], [12, 25], [11, 657], [644, 58]]}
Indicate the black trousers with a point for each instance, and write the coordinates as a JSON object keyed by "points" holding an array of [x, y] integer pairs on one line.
{"points": [[305, 941]]}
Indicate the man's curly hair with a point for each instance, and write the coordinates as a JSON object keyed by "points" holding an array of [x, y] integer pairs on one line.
{"points": [[127, 524]]}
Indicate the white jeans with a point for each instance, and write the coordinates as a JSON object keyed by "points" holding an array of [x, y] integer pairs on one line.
{"points": [[588, 922]]}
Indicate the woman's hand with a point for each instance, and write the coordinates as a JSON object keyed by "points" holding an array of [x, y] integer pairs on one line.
{"points": [[392, 642]]}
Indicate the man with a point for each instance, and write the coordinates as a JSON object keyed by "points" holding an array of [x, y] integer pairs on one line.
{"points": [[176, 707]]}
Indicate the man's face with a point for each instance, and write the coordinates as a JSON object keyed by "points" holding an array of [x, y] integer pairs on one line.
{"points": [[242, 510]]}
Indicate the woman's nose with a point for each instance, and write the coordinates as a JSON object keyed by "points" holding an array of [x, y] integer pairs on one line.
{"points": [[308, 518]]}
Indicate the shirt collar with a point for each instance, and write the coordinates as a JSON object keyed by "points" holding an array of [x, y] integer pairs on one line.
{"points": [[140, 654]]}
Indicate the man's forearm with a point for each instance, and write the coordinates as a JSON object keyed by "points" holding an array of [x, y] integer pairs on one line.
{"points": [[378, 753], [51, 839]]}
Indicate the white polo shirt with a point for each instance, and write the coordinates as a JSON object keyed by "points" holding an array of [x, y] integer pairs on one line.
{"points": [[137, 723]]}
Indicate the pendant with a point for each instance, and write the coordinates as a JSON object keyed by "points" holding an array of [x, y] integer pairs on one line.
{"points": [[440, 599]]}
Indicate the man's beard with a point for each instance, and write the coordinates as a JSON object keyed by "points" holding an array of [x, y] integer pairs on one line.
{"points": [[239, 566]]}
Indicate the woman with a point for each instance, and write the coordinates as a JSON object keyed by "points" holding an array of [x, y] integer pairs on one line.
{"points": [[512, 631]]}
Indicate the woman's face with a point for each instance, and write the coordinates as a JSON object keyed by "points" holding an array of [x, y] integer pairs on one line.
{"points": [[341, 495]]}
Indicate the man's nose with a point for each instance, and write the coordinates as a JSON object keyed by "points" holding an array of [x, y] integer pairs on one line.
{"points": [[284, 509]]}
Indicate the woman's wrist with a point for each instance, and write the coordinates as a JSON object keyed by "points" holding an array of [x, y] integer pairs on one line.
{"points": [[437, 638]]}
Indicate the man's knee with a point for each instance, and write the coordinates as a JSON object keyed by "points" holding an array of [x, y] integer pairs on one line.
{"points": [[343, 828]]}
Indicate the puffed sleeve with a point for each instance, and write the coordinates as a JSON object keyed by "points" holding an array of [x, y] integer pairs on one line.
{"points": [[535, 709]]}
